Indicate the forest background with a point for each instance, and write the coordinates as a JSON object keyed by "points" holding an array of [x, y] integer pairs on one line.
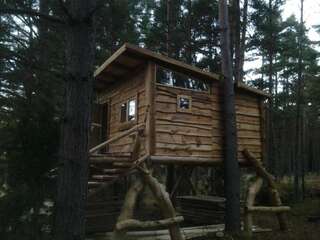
{"points": [[32, 67]]}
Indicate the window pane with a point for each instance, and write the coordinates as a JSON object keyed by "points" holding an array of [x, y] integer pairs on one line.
{"points": [[123, 113], [172, 78], [132, 110], [184, 103]]}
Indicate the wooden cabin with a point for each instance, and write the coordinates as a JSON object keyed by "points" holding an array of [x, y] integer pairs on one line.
{"points": [[152, 107], [181, 104]]}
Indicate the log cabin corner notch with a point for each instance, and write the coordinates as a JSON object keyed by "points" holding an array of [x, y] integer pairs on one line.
{"points": [[184, 105]]}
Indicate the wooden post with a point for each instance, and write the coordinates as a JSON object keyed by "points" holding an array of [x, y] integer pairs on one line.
{"points": [[165, 204], [128, 207], [150, 86], [262, 128], [274, 194], [251, 196]]}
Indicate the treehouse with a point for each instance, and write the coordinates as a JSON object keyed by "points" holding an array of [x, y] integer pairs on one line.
{"points": [[151, 110], [181, 104]]}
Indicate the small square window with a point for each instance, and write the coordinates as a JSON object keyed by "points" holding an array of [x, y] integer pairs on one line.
{"points": [[184, 103]]}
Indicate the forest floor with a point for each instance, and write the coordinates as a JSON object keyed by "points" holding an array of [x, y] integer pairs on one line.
{"points": [[300, 226]]}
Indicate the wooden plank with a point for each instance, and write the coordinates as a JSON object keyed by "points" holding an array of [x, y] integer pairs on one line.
{"points": [[110, 60], [184, 160], [262, 128], [171, 63], [183, 138], [123, 134], [185, 147]]}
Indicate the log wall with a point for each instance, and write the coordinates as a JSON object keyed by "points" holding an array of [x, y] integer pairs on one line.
{"points": [[126, 89], [199, 133], [191, 134], [249, 127]]}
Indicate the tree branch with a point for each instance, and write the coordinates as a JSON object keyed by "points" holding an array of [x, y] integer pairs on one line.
{"points": [[28, 12]]}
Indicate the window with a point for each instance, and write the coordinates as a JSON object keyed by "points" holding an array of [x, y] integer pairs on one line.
{"points": [[128, 111], [132, 110], [184, 103], [171, 78], [123, 112]]}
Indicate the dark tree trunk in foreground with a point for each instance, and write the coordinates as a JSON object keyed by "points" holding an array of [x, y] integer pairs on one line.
{"points": [[231, 167], [242, 41], [72, 179], [236, 38]]}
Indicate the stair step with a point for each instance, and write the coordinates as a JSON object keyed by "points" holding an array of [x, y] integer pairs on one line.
{"points": [[113, 170], [104, 177], [122, 164], [94, 184], [125, 154], [99, 160]]}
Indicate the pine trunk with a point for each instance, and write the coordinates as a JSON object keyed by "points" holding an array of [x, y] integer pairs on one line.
{"points": [[231, 167], [73, 170], [299, 111]]}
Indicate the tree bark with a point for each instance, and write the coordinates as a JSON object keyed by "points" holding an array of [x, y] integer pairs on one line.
{"points": [[231, 167], [73, 169], [299, 96], [236, 39]]}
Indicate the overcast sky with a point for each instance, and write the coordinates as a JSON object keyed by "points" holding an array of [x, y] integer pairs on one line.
{"points": [[311, 14], [311, 18]]}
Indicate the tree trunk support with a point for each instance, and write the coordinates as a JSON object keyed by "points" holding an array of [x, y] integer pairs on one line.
{"points": [[276, 207], [126, 221]]}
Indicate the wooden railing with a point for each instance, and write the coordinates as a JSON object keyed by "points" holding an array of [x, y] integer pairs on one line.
{"points": [[119, 136]]}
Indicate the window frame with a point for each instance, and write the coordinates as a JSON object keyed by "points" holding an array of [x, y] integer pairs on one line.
{"points": [[127, 102], [179, 109], [207, 83]]}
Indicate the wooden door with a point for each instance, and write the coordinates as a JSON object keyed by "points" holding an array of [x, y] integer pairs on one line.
{"points": [[99, 124]]}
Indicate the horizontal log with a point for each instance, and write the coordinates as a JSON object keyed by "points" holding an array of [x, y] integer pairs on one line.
{"points": [[122, 164], [185, 146], [108, 159], [94, 184], [109, 154], [187, 132], [165, 124], [132, 223], [184, 160], [268, 209], [103, 177], [113, 170]]}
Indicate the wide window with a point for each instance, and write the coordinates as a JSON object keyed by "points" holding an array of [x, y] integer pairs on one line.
{"points": [[175, 79], [128, 111]]}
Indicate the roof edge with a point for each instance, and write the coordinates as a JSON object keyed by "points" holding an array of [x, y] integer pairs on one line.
{"points": [[159, 58], [113, 57], [245, 87]]}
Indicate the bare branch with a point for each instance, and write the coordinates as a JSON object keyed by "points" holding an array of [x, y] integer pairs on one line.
{"points": [[28, 12]]}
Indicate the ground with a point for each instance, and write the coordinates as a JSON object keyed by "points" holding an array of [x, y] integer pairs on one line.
{"points": [[300, 227]]}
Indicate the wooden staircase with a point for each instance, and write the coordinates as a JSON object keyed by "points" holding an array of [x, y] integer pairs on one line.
{"points": [[106, 168]]}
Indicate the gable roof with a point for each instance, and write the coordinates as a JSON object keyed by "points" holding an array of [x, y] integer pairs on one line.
{"points": [[128, 58]]}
